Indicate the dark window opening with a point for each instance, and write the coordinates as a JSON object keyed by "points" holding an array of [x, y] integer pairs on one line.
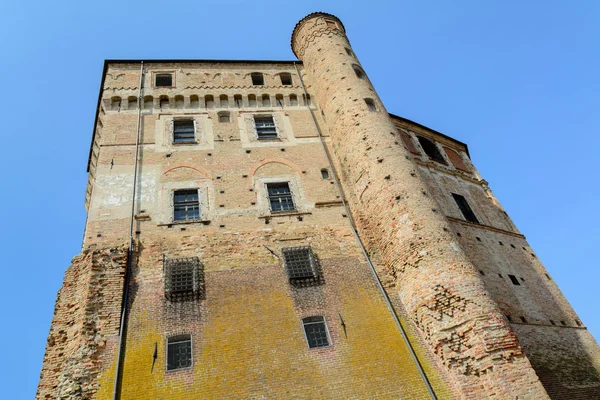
{"points": [[302, 266], [523, 320], [478, 238], [358, 71], [163, 80], [348, 51], [164, 103], [179, 352], [286, 79], [552, 322], [186, 205], [184, 278], [183, 131], [252, 100], [266, 100], [224, 116], [293, 100], [431, 150], [307, 100], [548, 276], [331, 24], [280, 197], [514, 280], [237, 100], [325, 173], [509, 318], [316, 332], [279, 100], [500, 243], [265, 127], [481, 273], [465, 209], [209, 101], [223, 101], [563, 323], [371, 104], [578, 322], [257, 79]]}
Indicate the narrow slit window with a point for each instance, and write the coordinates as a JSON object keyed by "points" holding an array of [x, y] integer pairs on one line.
{"points": [[186, 205], [257, 79], [163, 80], [348, 51], [265, 127], [431, 149], [465, 209], [358, 71], [280, 197], [179, 352], [315, 330], [325, 173], [514, 280], [286, 79]]}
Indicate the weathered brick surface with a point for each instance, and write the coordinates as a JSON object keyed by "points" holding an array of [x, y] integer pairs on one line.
{"points": [[447, 279]]}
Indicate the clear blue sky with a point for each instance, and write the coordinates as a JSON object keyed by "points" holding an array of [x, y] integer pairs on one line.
{"points": [[517, 81]]}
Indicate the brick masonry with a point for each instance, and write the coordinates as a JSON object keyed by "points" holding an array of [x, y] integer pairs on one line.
{"points": [[447, 279]]}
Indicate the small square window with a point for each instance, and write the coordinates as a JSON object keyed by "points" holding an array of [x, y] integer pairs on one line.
{"points": [[302, 266], [186, 205], [179, 352], [280, 197], [371, 104], [224, 117], [265, 127], [331, 24], [316, 332], [163, 80], [183, 131], [286, 79], [257, 79], [184, 279]]}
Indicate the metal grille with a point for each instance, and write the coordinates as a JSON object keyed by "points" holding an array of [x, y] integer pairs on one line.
{"points": [[184, 278], [179, 352], [280, 197], [183, 131], [186, 205], [302, 266], [164, 80], [265, 127], [316, 332]]}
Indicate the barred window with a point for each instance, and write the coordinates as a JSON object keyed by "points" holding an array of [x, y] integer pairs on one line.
{"points": [[184, 278], [302, 266], [316, 331], [183, 131], [165, 80], [280, 197], [465, 209], [186, 205], [179, 352], [265, 127]]}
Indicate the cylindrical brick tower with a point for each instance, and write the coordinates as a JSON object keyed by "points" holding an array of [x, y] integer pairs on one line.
{"points": [[401, 224]]}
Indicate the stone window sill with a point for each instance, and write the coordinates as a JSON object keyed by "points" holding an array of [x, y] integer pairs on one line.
{"points": [[199, 221]]}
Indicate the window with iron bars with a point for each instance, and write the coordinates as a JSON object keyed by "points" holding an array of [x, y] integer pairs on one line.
{"points": [[164, 80], [265, 127], [184, 278], [316, 331], [186, 205], [179, 352], [302, 266], [280, 197], [183, 131]]}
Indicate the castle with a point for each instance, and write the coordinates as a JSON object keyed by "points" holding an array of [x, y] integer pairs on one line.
{"points": [[267, 230]]}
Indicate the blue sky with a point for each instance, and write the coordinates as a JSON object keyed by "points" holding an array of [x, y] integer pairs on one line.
{"points": [[517, 81]]}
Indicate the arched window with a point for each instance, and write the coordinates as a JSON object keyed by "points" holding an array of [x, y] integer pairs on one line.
{"points": [[325, 173], [279, 100], [179, 102], [132, 103], [223, 101], [257, 78], [115, 103], [266, 100], [194, 101], [148, 102], [358, 71], [209, 101], [431, 149], [371, 104], [307, 100], [252, 100], [293, 100], [164, 103], [237, 99]]}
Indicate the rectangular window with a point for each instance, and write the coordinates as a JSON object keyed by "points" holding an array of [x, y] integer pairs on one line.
{"points": [[186, 205], [183, 131], [184, 278], [302, 266], [163, 80], [280, 197], [179, 352], [514, 280], [316, 332], [286, 79], [265, 127], [465, 209], [257, 79]]}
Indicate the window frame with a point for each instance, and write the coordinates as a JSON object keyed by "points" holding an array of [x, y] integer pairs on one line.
{"points": [[173, 337], [441, 160], [174, 268], [256, 128], [287, 75], [255, 75], [174, 205], [327, 333], [156, 75], [291, 196], [180, 120], [222, 114], [464, 202], [298, 273]]}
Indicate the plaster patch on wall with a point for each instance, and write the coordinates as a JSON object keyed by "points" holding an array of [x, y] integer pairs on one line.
{"points": [[118, 191]]}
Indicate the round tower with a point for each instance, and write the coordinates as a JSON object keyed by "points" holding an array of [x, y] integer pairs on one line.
{"points": [[403, 228]]}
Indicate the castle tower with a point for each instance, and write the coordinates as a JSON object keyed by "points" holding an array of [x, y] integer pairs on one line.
{"points": [[400, 219], [265, 229]]}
